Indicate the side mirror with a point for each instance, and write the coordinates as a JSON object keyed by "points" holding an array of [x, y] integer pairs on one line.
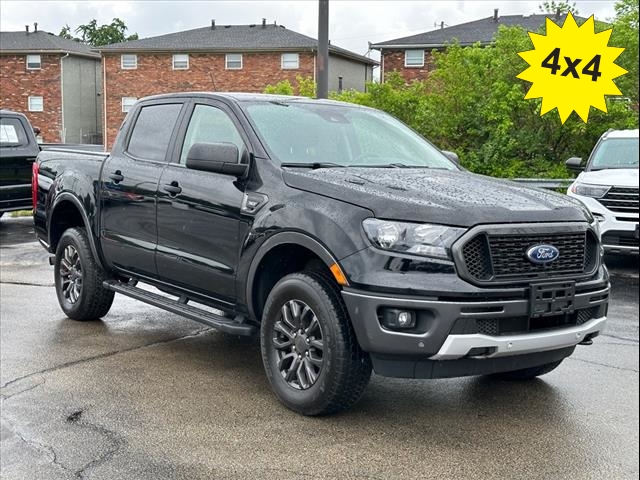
{"points": [[216, 157], [575, 164], [36, 131], [452, 156]]}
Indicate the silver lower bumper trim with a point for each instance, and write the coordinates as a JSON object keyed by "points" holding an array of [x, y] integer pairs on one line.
{"points": [[457, 346]]}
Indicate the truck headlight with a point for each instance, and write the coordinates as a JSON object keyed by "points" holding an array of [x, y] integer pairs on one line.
{"points": [[594, 191], [414, 238]]}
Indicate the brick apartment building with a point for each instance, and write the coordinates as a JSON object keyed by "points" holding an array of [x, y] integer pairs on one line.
{"points": [[55, 82], [217, 58], [412, 57]]}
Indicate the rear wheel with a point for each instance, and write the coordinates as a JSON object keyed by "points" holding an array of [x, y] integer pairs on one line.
{"points": [[527, 373], [79, 278], [310, 353]]}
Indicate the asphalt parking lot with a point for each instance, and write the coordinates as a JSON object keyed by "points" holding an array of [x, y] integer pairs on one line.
{"points": [[147, 394]]}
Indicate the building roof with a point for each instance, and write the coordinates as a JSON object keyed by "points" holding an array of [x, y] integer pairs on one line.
{"points": [[42, 42], [231, 38], [482, 31]]}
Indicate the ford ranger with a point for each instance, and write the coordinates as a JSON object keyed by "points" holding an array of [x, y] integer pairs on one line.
{"points": [[342, 238]]}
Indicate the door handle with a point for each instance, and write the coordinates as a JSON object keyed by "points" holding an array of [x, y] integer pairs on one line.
{"points": [[116, 176], [172, 188]]}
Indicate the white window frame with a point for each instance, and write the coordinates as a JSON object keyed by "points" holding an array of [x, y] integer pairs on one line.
{"points": [[227, 59], [32, 103], [180, 57], [129, 66], [30, 59], [406, 58], [127, 103], [283, 62]]}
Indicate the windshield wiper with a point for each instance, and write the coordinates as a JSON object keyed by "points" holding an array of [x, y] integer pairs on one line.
{"points": [[312, 165]]}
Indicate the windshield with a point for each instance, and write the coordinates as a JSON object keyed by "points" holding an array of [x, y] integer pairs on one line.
{"points": [[616, 153], [339, 135]]}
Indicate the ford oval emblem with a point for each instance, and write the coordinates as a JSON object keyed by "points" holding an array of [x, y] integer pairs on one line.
{"points": [[543, 254]]}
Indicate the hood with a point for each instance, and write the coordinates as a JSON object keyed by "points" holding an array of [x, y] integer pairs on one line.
{"points": [[614, 177], [439, 196]]}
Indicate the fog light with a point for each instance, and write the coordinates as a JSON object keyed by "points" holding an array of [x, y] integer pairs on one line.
{"points": [[398, 319]]}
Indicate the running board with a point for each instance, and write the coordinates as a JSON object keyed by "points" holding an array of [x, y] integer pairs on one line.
{"points": [[180, 307]]}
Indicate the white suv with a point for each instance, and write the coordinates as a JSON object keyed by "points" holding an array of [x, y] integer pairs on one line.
{"points": [[608, 186]]}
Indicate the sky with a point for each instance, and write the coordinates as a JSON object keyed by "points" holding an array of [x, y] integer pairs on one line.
{"points": [[352, 23]]}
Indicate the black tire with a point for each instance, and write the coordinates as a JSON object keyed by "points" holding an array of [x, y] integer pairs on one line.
{"points": [[527, 373], [329, 350], [79, 278]]}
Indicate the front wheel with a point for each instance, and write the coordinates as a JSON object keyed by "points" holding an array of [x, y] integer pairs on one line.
{"points": [[310, 353], [79, 278], [527, 373]]}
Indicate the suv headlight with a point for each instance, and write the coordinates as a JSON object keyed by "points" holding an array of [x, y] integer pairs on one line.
{"points": [[414, 238], [594, 191]]}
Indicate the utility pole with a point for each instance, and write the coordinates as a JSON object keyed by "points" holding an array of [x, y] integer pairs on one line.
{"points": [[322, 62]]}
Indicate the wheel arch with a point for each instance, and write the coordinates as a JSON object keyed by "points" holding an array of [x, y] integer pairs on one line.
{"points": [[301, 250], [67, 212]]}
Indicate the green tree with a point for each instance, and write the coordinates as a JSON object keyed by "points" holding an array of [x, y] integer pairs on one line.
{"points": [[625, 34], [97, 35], [553, 6], [66, 33]]}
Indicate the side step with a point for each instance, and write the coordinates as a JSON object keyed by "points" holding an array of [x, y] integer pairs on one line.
{"points": [[181, 307]]}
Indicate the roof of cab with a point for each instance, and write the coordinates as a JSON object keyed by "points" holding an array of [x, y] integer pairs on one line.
{"points": [[250, 97], [621, 134]]}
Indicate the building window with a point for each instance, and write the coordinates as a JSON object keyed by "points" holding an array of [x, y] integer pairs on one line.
{"points": [[34, 62], [290, 61], [128, 103], [36, 104], [181, 61], [129, 61], [233, 61], [414, 58]]}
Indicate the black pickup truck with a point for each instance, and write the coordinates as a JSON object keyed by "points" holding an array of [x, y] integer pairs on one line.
{"points": [[340, 236], [18, 151]]}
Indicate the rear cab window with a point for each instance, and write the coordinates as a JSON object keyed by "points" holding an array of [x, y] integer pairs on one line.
{"points": [[12, 133], [152, 131]]}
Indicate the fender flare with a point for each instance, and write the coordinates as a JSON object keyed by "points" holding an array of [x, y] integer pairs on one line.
{"points": [[69, 197], [281, 238]]}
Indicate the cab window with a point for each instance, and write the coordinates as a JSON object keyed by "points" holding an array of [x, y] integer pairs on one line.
{"points": [[210, 125]]}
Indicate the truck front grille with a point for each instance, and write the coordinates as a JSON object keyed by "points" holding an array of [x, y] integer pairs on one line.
{"points": [[621, 200], [491, 257]]}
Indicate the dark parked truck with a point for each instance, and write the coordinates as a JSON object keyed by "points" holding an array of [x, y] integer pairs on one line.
{"points": [[18, 151], [338, 235]]}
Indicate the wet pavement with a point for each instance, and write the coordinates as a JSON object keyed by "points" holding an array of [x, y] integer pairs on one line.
{"points": [[145, 394]]}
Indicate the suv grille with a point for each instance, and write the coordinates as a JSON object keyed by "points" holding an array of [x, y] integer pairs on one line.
{"points": [[621, 200], [491, 257]]}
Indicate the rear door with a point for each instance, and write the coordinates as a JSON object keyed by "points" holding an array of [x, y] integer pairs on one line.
{"points": [[129, 183], [199, 212]]}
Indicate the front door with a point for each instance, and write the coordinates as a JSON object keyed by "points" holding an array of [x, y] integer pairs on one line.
{"points": [[199, 212], [129, 183]]}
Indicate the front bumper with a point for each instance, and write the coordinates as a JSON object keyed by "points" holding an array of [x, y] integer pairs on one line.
{"points": [[437, 317]]}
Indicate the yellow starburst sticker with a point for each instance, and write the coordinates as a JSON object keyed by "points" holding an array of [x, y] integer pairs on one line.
{"points": [[571, 68]]}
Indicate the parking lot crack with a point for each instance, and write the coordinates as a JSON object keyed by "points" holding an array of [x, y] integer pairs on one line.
{"points": [[43, 448], [20, 392], [27, 284], [116, 442], [604, 365], [104, 355]]}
